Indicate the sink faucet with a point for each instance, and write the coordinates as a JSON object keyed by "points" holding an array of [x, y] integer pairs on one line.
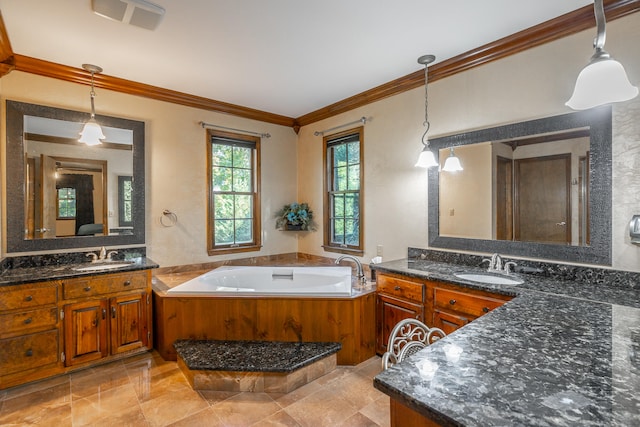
{"points": [[102, 255], [495, 263], [359, 271]]}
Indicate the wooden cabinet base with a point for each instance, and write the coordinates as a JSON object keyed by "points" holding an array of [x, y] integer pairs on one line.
{"points": [[402, 416]]}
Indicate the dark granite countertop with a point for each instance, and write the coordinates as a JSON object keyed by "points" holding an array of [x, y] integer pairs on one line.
{"points": [[252, 356], [562, 353], [64, 270]]}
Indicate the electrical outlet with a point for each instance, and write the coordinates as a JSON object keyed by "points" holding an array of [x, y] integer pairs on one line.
{"points": [[379, 250], [452, 212]]}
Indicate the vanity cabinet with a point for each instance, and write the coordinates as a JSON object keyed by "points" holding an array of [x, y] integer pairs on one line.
{"points": [[397, 299], [53, 327], [438, 304], [29, 332]]}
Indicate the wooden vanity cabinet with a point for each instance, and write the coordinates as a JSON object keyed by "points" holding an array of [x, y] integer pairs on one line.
{"points": [[29, 333], [397, 298], [443, 305], [49, 328]]}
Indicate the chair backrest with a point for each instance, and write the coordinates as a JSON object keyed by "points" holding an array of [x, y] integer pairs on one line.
{"points": [[408, 337]]}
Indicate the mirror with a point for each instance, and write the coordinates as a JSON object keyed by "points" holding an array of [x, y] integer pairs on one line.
{"points": [[540, 189], [64, 194]]}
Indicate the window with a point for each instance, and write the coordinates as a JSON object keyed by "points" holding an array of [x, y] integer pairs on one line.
{"points": [[343, 192], [234, 192], [125, 201], [66, 203]]}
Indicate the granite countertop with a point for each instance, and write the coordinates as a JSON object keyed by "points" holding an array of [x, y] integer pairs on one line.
{"points": [[561, 353], [64, 270]]}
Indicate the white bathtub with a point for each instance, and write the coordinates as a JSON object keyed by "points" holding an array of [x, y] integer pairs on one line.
{"points": [[264, 281]]}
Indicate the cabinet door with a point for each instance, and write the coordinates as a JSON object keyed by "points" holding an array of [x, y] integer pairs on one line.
{"points": [[85, 331], [389, 312], [129, 325], [448, 322]]}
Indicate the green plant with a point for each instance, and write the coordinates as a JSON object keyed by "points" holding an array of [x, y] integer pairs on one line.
{"points": [[296, 214]]}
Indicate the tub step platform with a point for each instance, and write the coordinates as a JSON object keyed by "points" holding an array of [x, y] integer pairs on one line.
{"points": [[257, 366]]}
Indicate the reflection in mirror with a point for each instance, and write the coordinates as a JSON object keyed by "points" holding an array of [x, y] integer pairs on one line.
{"points": [[65, 194], [72, 187], [532, 189], [540, 189]]}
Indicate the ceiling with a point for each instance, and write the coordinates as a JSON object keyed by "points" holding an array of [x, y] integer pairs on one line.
{"points": [[280, 56]]}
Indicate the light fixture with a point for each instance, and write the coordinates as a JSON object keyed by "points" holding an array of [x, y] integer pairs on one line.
{"points": [[92, 132], [452, 164], [603, 80], [426, 158]]}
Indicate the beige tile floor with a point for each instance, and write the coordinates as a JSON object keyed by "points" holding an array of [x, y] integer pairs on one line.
{"points": [[145, 390]]}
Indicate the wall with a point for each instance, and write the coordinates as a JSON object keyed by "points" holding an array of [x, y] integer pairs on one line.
{"points": [[532, 84], [175, 164]]}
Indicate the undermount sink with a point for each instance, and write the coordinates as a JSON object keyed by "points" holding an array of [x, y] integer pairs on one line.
{"points": [[99, 267], [489, 278]]}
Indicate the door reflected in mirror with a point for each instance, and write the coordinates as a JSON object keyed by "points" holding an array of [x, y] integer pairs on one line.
{"points": [[529, 189], [73, 189]]}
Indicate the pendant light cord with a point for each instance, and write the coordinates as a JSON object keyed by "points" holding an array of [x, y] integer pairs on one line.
{"points": [[601, 35], [425, 141], [93, 95]]}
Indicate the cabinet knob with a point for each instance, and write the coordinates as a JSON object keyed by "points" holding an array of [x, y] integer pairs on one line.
{"points": [[127, 282], [452, 301], [87, 289], [28, 353], [28, 298], [28, 320], [397, 288], [485, 309]]}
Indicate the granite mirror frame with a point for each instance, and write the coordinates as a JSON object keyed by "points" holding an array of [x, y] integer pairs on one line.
{"points": [[599, 120], [15, 176]]}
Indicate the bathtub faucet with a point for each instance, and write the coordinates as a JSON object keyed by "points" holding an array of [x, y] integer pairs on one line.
{"points": [[359, 271]]}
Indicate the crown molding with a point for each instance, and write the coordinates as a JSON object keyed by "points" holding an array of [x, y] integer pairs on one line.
{"points": [[554, 29], [562, 26]]}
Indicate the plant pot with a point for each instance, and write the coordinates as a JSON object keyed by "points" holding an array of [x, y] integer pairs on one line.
{"points": [[292, 227]]}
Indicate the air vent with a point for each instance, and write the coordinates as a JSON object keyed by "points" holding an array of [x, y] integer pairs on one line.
{"points": [[140, 13]]}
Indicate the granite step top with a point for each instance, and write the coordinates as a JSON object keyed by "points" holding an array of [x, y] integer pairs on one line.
{"points": [[252, 356]]}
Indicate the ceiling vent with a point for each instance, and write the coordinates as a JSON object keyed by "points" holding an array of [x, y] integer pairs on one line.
{"points": [[140, 13]]}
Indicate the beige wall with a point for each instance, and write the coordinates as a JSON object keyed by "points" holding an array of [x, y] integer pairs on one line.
{"points": [[175, 164], [528, 85]]}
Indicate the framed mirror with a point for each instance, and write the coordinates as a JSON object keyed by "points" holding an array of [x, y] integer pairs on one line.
{"points": [[537, 189], [62, 194]]}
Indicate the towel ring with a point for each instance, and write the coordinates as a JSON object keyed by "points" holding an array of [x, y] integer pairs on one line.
{"points": [[168, 218]]}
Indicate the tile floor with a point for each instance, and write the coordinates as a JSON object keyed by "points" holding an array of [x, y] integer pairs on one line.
{"points": [[145, 390]]}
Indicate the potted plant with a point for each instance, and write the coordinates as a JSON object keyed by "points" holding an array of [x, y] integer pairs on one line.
{"points": [[295, 216]]}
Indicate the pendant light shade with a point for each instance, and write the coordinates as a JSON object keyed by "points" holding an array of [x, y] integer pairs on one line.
{"points": [[603, 80], [426, 159], [92, 133], [452, 164]]}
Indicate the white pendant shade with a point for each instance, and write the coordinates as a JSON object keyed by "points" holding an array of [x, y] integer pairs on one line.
{"points": [[452, 164], [426, 159], [91, 133], [601, 82]]}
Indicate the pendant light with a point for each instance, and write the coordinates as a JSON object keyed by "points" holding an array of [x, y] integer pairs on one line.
{"points": [[92, 132], [426, 159], [603, 80], [452, 164]]}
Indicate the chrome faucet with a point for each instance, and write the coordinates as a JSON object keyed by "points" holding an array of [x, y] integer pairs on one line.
{"points": [[495, 263], [359, 269]]}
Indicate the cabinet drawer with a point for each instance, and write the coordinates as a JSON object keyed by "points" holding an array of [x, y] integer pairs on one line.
{"points": [[16, 322], [27, 298], [28, 352], [474, 305], [400, 288], [111, 283]]}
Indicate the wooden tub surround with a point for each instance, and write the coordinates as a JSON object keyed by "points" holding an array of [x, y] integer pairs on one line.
{"points": [[349, 321]]}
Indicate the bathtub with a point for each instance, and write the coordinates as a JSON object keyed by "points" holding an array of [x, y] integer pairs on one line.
{"points": [[269, 281]]}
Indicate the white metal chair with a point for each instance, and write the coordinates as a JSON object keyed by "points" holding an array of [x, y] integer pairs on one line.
{"points": [[408, 337]]}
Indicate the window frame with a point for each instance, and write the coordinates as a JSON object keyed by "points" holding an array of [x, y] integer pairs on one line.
{"points": [[327, 141], [74, 198], [256, 244], [121, 201]]}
